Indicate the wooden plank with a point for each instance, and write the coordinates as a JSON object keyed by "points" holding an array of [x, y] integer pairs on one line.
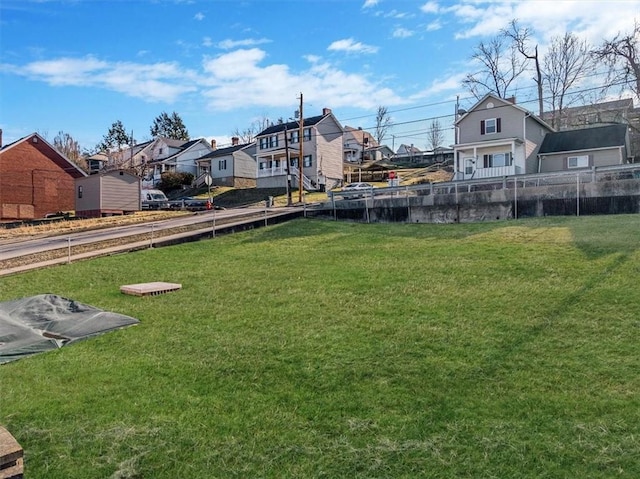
{"points": [[149, 289], [11, 456]]}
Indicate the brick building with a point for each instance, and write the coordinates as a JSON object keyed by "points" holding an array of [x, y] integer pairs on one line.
{"points": [[35, 179]]}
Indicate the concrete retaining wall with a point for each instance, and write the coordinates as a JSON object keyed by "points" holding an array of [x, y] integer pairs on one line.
{"points": [[614, 197]]}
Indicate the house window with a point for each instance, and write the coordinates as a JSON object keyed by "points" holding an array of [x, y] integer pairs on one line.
{"points": [[578, 161], [264, 143], [222, 164], [263, 165], [273, 141], [307, 134], [306, 161], [468, 166], [496, 160], [80, 191], [159, 151], [295, 136], [294, 162], [490, 126]]}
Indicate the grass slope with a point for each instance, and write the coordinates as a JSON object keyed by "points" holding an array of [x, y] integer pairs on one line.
{"points": [[321, 349]]}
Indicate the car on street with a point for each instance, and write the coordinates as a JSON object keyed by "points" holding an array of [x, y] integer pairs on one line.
{"points": [[191, 203]]}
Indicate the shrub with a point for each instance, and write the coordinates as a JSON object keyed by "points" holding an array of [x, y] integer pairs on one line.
{"points": [[171, 180]]}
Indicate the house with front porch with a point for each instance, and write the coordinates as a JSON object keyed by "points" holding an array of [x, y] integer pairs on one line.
{"points": [[497, 138], [233, 166], [360, 146], [167, 155], [321, 148]]}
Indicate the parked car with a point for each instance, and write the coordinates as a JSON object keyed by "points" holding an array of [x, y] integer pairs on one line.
{"points": [[154, 200], [358, 190], [191, 203], [357, 186]]}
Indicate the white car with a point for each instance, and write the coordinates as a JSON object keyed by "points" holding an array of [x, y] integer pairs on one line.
{"points": [[357, 186]]}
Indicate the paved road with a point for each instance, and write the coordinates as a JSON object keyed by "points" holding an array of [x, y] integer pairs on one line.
{"points": [[20, 247]]}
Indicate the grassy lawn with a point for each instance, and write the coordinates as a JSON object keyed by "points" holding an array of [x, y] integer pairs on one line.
{"points": [[325, 349]]}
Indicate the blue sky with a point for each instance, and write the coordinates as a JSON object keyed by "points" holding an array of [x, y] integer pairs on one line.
{"points": [[79, 65]]}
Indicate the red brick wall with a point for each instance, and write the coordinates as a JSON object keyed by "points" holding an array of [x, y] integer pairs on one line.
{"points": [[31, 184]]}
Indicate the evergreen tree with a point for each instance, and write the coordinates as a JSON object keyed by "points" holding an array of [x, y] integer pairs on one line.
{"points": [[169, 126]]}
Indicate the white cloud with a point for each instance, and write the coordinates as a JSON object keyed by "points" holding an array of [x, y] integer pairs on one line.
{"points": [[207, 42], [233, 80], [237, 80], [402, 33], [591, 20], [433, 26], [154, 82], [351, 46], [398, 15], [430, 7], [450, 83], [370, 3], [199, 16], [247, 42]]}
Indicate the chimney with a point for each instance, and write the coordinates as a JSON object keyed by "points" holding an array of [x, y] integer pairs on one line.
{"points": [[235, 141], [511, 99], [326, 111], [213, 145]]}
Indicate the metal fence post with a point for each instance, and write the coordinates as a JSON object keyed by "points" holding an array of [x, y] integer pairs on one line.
{"points": [[577, 194]]}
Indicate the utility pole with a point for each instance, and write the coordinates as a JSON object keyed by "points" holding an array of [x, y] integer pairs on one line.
{"points": [[286, 154], [301, 154]]}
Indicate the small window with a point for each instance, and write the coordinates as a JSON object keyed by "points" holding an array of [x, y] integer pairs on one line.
{"points": [[264, 144], [295, 136], [578, 161], [307, 134], [263, 165], [80, 191], [490, 126], [294, 162], [222, 164], [307, 161]]}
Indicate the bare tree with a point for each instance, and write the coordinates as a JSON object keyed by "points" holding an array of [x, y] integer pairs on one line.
{"points": [[435, 135], [248, 134], [383, 123], [521, 37], [565, 63], [500, 66], [622, 56], [66, 145]]}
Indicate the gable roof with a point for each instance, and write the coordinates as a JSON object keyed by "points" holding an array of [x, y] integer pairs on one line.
{"points": [[505, 102], [584, 139], [50, 152], [225, 151], [359, 135], [182, 147], [292, 125]]}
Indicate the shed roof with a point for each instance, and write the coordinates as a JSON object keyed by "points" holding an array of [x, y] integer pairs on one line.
{"points": [[584, 139]]}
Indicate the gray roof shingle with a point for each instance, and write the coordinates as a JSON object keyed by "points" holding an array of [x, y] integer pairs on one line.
{"points": [[584, 139]]}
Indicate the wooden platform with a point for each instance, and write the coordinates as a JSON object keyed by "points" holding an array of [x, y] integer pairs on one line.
{"points": [[11, 456], [149, 289]]}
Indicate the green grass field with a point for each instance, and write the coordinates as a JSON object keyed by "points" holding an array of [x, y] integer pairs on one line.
{"points": [[323, 349]]}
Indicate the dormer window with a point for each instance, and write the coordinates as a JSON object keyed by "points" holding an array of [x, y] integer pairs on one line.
{"points": [[490, 126]]}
